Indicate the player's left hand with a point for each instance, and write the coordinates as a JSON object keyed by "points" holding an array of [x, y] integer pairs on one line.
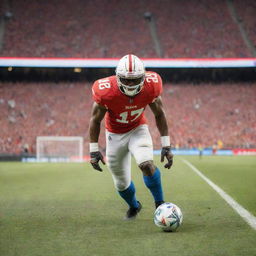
{"points": [[95, 158], [167, 153]]}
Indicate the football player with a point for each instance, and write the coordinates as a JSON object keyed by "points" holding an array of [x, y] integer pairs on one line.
{"points": [[122, 99]]}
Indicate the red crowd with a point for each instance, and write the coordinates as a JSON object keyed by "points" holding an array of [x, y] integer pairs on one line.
{"points": [[111, 28], [197, 114], [246, 14]]}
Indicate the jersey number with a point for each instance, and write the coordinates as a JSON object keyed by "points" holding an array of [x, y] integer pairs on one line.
{"points": [[124, 116], [151, 77], [103, 84]]}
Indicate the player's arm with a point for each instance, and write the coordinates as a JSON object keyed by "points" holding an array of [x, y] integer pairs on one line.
{"points": [[161, 123], [158, 111], [98, 113]]}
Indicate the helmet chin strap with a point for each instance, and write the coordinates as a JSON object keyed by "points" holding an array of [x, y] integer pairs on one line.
{"points": [[127, 89], [130, 93]]}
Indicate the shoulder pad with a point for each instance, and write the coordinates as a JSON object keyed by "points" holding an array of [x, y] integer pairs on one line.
{"points": [[155, 81], [102, 89]]}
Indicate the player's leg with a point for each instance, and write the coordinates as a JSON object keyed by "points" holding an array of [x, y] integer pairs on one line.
{"points": [[142, 149], [152, 179], [119, 164]]}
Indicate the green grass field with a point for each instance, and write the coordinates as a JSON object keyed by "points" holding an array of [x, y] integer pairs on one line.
{"points": [[71, 210]]}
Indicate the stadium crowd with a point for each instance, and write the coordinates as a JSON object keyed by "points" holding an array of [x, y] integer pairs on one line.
{"points": [[246, 14], [84, 29], [197, 114]]}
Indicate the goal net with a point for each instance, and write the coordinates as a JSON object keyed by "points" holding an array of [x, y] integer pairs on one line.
{"points": [[59, 149]]}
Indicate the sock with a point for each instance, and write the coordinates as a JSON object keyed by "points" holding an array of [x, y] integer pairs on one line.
{"points": [[154, 185], [129, 196]]}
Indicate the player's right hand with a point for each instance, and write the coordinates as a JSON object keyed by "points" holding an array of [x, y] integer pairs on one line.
{"points": [[95, 158]]}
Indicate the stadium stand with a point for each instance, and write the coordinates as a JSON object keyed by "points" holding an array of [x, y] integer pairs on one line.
{"points": [[86, 31], [247, 17], [198, 29], [197, 114], [81, 29], [207, 113]]}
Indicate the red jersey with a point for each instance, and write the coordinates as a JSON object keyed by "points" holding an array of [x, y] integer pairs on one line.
{"points": [[125, 113]]}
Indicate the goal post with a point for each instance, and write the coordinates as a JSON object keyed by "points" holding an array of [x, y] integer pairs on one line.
{"points": [[59, 149]]}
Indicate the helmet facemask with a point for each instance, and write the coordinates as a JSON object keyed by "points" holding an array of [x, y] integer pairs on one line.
{"points": [[130, 86], [130, 75]]}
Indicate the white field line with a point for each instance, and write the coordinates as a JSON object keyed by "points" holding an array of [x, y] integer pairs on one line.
{"points": [[247, 216]]}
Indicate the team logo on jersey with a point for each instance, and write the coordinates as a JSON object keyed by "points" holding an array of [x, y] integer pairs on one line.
{"points": [[130, 107]]}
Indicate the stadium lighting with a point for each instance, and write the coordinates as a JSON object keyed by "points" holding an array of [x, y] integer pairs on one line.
{"points": [[77, 70]]}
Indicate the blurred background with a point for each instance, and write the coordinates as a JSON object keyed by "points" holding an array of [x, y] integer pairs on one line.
{"points": [[209, 105]]}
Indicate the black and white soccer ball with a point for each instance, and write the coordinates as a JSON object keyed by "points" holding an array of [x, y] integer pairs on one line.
{"points": [[168, 216]]}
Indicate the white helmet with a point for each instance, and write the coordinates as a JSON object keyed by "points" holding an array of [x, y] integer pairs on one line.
{"points": [[130, 73]]}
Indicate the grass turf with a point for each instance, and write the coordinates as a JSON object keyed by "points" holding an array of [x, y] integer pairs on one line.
{"points": [[235, 175], [70, 209]]}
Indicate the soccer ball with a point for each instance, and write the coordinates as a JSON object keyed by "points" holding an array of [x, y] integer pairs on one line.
{"points": [[168, 216]]}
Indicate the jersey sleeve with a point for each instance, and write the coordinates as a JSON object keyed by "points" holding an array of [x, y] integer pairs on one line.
{"points": [[96, 95], [158, 86]]}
